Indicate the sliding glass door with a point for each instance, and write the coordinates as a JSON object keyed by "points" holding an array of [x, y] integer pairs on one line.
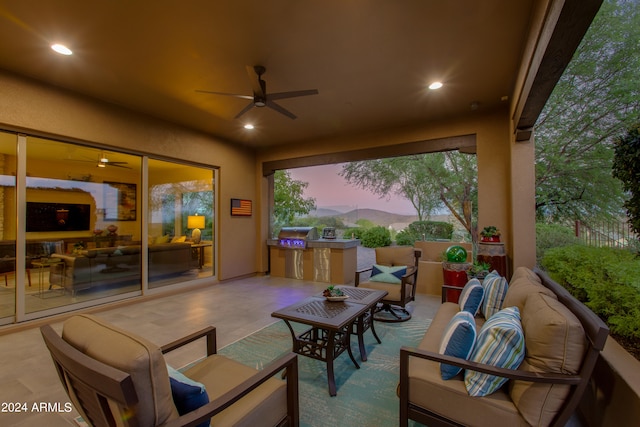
{"points": [[180, 222], [82, 225], [77, 228]]}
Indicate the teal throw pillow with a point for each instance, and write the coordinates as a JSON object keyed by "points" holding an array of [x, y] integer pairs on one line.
{"points": [[500, 343], [386, 274], [471, 296], [457, 340], [188, 395]]}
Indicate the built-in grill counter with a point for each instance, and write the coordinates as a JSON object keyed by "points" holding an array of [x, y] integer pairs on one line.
{"points": [[298, 253]]}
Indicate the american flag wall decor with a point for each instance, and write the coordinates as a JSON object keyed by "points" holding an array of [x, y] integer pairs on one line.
{"points": [[240, 207]]}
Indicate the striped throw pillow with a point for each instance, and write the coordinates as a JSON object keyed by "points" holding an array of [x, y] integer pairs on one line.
{"points": [[471, 296], [495, 289], [500, 343], [457, 340]]}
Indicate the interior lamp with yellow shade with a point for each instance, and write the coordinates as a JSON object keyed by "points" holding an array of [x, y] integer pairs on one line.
{"points": [[196, 222]]}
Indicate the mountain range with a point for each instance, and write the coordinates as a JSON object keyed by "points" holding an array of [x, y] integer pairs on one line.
{"points": [[378, 217]]}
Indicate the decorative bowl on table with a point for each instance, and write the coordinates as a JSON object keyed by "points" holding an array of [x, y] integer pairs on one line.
{"points": [[334, 294]]}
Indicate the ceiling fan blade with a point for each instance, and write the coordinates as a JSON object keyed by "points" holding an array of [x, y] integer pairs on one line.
{"points": [[293, 94], [245, 109], [280, 110], [257, 84], [235, 95], [115, 165]]}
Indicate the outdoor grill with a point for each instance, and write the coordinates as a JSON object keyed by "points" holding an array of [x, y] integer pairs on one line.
{"points": [[296, 237]]}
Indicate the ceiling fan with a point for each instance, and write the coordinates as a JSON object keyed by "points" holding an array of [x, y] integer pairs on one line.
{"points": [[103, 161], [260, 97]]}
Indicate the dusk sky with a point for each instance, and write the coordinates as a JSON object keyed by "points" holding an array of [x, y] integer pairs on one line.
{"points": [[332, 191]]}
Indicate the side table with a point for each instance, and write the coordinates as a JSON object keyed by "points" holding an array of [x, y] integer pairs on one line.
{"points": [[41, 266], [199, 248]]}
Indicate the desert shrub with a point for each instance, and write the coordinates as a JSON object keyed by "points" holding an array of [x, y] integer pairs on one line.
{"points": [[606, 280], [365, 223], [553, 236], [318, 222], [427, 230], [404, 238], [376, 237], [356, 232]]}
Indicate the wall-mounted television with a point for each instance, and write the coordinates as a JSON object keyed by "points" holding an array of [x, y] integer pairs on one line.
{"points": [[58, 216]]}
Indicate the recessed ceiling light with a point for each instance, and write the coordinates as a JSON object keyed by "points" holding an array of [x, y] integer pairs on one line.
{"points": [[435, 85], [61, 49], [248, 126]]}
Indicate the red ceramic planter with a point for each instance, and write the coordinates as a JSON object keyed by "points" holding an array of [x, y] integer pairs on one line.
{"points": [[492, 239]]}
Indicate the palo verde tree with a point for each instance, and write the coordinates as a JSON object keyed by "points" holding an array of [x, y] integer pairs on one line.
{"points": [[596, 99], [288, 199], [429, 181], [626, 167]]}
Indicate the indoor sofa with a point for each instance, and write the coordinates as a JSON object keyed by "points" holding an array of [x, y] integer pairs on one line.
{"points": [[562, 339], [102, 266]]}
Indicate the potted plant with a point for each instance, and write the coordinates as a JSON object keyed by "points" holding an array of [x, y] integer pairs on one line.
{"points": [[478, 270], [490, 234]]}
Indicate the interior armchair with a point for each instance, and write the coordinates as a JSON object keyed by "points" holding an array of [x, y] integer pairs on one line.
{"points": [[114, 377], [395, 271]]}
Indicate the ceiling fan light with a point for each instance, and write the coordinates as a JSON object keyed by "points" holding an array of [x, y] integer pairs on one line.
{"points": [[435, 85], [101, 164]]}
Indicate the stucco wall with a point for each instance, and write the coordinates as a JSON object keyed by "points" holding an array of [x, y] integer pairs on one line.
{"points": [[38, 109]]}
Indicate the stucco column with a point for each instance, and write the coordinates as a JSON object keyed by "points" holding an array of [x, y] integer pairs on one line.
{"points": [[523, 203]]}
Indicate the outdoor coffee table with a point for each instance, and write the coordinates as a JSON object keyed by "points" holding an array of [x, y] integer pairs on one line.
{"points": [[332, 323]]}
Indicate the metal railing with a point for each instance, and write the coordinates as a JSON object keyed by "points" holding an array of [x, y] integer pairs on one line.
{"points": [[612, 234]]}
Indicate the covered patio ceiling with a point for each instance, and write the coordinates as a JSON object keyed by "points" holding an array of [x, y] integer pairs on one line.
{"points": [[370, 60]]}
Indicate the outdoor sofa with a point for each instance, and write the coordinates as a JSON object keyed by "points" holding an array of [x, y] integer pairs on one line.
{"points": [[562, 341]]}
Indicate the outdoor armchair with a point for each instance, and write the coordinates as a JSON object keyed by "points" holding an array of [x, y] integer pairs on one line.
{"points": [[114, 377], [395, 271]]}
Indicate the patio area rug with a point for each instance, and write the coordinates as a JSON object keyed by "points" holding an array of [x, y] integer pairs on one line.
{"points": [[366, 396]]}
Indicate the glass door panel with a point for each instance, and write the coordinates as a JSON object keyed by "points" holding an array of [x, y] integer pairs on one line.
{"points": [[83, 228], [8, 143], [180, 223]]}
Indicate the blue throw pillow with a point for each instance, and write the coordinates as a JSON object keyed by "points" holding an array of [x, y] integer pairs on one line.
{"points": [[188, 395], [471, 296], [500, 343], [457, 340], [495, 289], [386, 274]]}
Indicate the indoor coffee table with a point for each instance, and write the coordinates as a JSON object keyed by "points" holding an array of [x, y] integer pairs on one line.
{"points": [[332, 323]]}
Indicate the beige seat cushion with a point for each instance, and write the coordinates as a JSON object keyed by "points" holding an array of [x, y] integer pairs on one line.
{"points": [[266, 405], [427, 389], [555, 343], [127, 352], [392, 289]]}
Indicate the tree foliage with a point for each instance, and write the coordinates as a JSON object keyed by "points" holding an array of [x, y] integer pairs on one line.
{"points": [[429, 181], [424, 230], [597, 98], [626, 167], [288, 199]]}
